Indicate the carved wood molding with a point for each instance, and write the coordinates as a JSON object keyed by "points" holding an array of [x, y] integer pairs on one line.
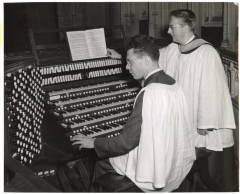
{"points": [[230, 63]]}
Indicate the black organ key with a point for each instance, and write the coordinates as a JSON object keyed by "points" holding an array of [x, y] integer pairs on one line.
{"points": [[89, 118], [113, 112], [80, 121], [98, 129], [90, 132], [110, 125], [101, 115], [105, 114], [81, 108], [61, 111], [69, 123], [119, 125], [77, 121], [106, 127], [95, 116], [114, 125], [71, 110], [98, 104], [89, 106], [104, 102], [84, 132], [94, 129]]}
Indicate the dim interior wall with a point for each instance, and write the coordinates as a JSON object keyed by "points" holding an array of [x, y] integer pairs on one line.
{"points": [[131, 13], [159, 17], [42, 16], [116, 17], [15, 28], [19, 17], [83, 14]]}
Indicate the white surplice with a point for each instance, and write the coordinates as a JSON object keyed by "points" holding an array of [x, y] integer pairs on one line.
{"points": [[166, 149], [202, 78]]}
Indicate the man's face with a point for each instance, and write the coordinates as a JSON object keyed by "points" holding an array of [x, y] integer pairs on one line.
{"points": [[135, 65], [176, 29]]}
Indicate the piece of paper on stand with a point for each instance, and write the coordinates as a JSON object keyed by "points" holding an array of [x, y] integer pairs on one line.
{"points": [[87, 44]]}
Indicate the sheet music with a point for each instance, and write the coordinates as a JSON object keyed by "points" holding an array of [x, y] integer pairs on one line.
{"points": [[96, 43], [87, 44], [78, 45]]}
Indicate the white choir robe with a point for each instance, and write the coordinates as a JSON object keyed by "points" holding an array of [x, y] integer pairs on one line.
{"points": [[166, 151], [202, 78]]}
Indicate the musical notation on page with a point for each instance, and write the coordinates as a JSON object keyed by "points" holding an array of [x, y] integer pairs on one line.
{"points": [[87, 44]]}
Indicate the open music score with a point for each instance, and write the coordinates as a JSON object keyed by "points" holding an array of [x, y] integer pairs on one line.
{"points": [[87, 44]]}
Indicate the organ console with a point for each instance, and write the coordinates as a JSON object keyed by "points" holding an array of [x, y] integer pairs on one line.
{"points": [[47, 102]]}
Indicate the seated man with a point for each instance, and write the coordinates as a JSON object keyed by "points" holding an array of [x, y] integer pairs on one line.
{"points": [[155, 149]]}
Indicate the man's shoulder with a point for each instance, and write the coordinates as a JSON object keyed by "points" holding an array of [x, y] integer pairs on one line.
{"points": [[164, 78], [206, 49], [172, 45], [169, 47], [162, 89]]}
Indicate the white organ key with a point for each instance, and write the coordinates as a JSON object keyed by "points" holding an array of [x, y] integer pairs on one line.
{"points": [[58, 69], [72, 67], [54, 69], [44, 71]]}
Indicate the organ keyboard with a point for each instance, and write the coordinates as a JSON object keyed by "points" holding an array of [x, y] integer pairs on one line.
{"points": [[91, 97], [86, 109]]}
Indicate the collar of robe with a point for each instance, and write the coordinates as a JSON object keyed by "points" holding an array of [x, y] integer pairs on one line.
{"points": [[193, 45]]}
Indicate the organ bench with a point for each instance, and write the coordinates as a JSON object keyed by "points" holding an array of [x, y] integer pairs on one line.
{"points": [[117, 183]]}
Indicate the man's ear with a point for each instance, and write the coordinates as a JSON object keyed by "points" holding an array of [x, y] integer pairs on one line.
{"points": [[186, 28], [147, 60]]}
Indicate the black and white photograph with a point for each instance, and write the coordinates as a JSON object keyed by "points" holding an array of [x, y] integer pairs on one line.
{"points": [[128, 96]]}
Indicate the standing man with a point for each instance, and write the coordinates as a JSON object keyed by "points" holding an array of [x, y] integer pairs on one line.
{"points": [[156, 149], [197, 67]]}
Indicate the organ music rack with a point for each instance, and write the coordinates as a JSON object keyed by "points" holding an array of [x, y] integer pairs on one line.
{"points": [[93, 97]]}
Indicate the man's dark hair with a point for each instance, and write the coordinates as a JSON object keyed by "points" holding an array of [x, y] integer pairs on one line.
{"points": [[187, 16], [144, 45]]}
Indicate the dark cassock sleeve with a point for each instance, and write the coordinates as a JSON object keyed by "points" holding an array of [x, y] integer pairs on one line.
{"points": [[127, 140]]}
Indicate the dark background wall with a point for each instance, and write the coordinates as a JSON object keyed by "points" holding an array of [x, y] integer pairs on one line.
{"points": [[19, 17]]}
